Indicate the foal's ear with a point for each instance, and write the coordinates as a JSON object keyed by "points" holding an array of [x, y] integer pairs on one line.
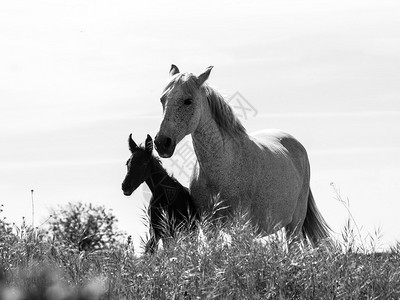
{"points": [[149, 144], [204, 76], [132, 144], [174, 70]]}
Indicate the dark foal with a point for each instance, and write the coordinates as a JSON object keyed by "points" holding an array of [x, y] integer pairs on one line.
{"points": [[171, 206]]}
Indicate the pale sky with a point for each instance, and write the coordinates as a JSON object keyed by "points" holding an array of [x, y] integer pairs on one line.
{"points": [[77, 77]]}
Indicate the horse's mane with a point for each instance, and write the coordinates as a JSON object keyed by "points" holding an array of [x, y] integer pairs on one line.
{"points": [[221, 112]]}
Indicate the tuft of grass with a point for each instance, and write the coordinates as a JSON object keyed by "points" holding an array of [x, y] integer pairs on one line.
{"points": [[219, 260]]}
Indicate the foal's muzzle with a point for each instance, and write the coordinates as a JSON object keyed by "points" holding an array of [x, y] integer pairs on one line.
{"points": [[128, 193], [164, 146], [129, 186], [128, 190]]}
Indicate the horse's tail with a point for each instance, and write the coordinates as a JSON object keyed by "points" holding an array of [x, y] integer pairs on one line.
{"points": [[315, 227]]}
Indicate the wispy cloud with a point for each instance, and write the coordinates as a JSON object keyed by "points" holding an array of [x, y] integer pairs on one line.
{"points": [[344, 114], [356, 151], [56, 163]]}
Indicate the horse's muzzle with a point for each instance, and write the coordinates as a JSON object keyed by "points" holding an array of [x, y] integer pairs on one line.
{"points": [[164, 146]]}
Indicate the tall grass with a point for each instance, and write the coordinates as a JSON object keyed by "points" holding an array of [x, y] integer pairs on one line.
{"points": [[215, 262]]}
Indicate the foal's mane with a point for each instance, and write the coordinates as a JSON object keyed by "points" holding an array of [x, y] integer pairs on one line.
{"points": [[156, 160], [221, 111], [157, 163]]}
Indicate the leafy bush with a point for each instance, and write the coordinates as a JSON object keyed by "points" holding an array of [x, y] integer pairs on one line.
{"points": [[5, 228], [84, 226]]}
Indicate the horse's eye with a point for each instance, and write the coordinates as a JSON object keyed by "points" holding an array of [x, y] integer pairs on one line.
{"points": [[188, 101]]}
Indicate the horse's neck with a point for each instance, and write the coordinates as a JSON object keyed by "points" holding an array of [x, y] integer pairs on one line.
{"points": [[158, 177], [214, 149]]}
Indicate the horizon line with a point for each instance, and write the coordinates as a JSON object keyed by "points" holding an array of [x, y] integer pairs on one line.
{"points": [[58, 163]]}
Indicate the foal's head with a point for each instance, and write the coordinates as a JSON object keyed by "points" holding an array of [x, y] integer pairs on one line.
{"points": [[138, 165]]}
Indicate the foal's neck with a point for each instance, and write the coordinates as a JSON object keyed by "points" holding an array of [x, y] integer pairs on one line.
{"points": [[158, 176]]}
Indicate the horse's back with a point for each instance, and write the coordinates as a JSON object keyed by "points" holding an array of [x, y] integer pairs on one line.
{"points": [[283, 144], [271, 137]]}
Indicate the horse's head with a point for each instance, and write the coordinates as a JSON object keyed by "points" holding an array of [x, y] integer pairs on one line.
{"points": [[182, 101], [138, 165]]}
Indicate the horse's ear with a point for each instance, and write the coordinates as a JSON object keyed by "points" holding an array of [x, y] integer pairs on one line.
{"points": [[132, 144], [174, 70], [149, 144], [204, 76]]}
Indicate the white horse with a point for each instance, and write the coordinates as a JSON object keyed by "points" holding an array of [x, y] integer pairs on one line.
{"points": [[267, 174]]}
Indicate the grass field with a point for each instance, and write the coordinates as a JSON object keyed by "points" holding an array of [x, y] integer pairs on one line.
{"points": [[207, 265]]}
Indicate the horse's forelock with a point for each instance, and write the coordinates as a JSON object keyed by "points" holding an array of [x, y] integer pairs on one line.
{"points": [[186, 81]]}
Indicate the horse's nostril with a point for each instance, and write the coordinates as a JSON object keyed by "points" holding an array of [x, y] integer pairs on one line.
{"points": [[167, 142], [164, 145]]}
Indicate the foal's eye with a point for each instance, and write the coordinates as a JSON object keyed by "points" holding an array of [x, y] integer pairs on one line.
{"points": [[188, 101]]}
